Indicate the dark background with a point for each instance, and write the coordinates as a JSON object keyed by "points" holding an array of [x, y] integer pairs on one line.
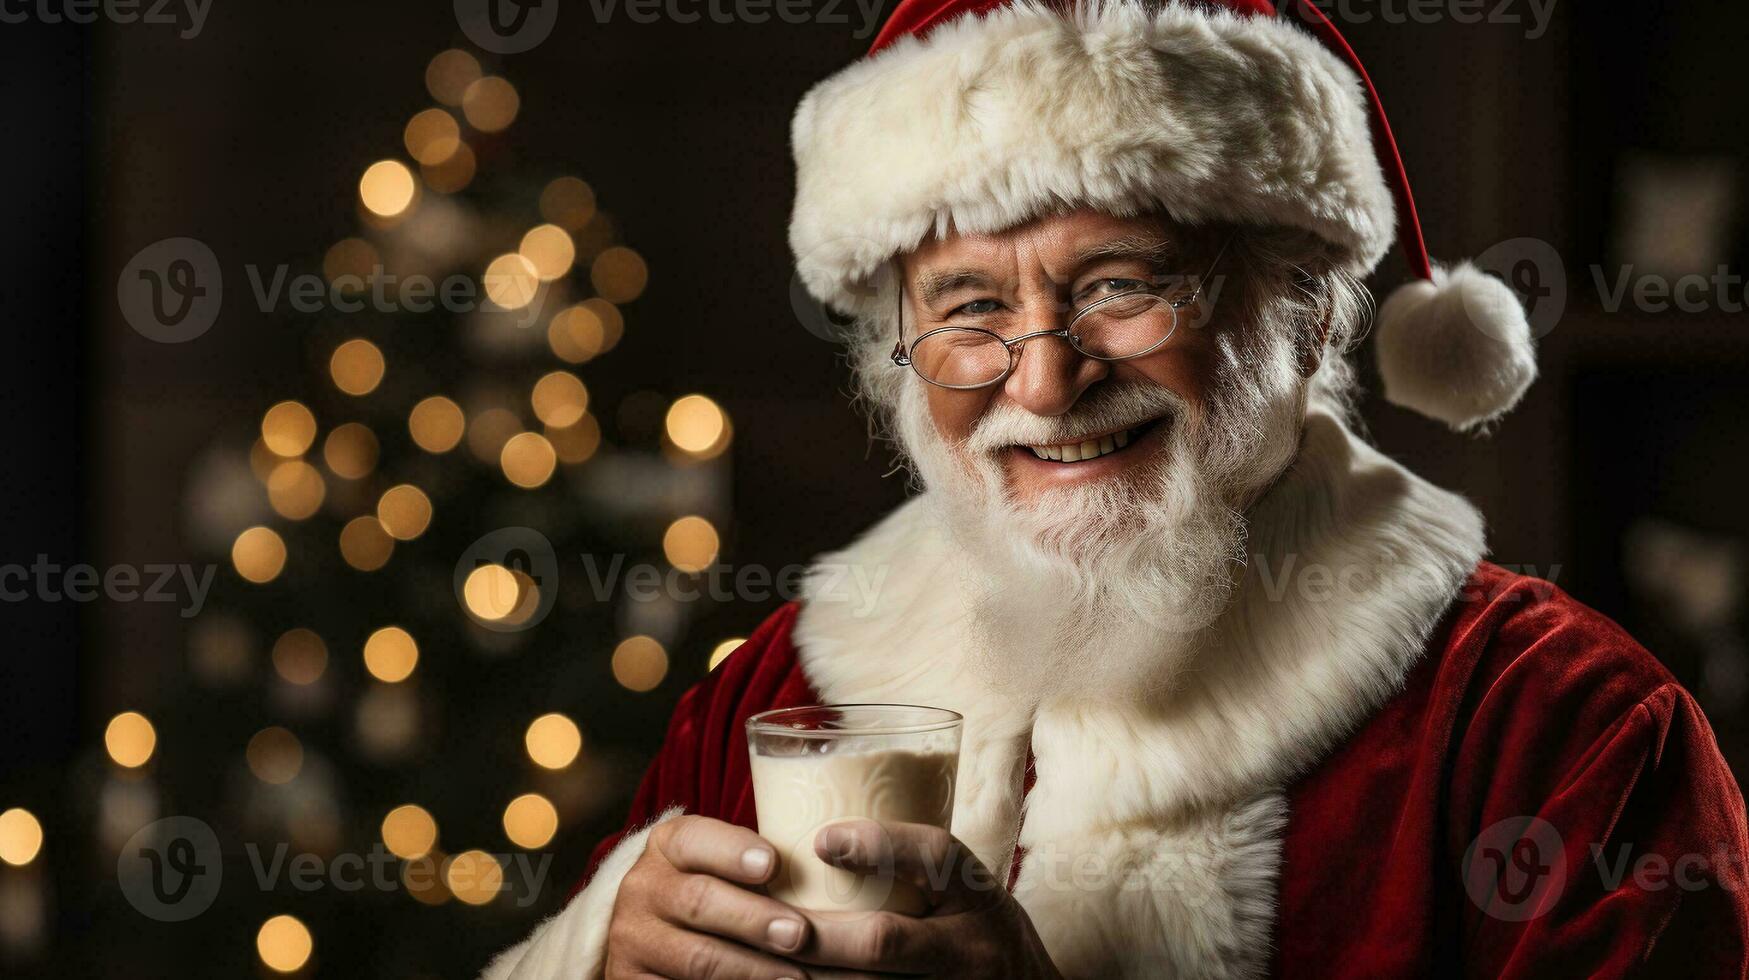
{"points": [[1620, 476]]}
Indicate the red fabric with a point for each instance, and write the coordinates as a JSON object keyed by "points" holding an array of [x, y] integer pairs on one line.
{"points": [[1527, 704]]}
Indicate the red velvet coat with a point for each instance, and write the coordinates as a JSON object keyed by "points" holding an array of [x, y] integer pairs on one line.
{"points": [[1411, 849]]}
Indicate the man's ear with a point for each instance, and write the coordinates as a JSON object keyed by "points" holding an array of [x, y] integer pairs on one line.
{"points": [[1311, 343]]}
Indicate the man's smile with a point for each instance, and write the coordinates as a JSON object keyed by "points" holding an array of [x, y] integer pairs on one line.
{"points": [[1094, 456]]}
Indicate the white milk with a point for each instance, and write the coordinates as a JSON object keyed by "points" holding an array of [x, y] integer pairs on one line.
{"points": [[796, 795]]}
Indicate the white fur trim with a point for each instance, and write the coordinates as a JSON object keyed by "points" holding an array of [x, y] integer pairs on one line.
{"points": [[989, 121], [1354, 560], [573, 942], [1457, 349]]}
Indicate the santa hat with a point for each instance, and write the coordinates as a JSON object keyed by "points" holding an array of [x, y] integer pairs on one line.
{"points": [[984, 114]]}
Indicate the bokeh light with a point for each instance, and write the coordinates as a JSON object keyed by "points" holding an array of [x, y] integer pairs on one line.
{"points": [[475, 877], [575, 334], [490, 104], [357, 367], [553, 741], [365, 544], [639, 663], [567, 202], [492, 592], [449, 74], [258, 554], [432, 136], [284, 944], [577, 442], [530, 821], [404, 511], [353, 257], [511, 281], [300, 656], [409, 831], [436, 424], [295, 489], [528, 460], [350, 451], [21, 837], [691, 544], [390, 654], [130, 739], [275, 756], [697, 426], [387, 188], [489, 431], [559, 399], [619, 274], [550, 250], [288, 429], [454, 174]]}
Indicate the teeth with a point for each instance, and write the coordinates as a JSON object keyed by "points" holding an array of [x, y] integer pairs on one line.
{"points": [[1075, 452]]}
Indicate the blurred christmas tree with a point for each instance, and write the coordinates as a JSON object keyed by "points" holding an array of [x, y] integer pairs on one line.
{"points": [[415, 656]]}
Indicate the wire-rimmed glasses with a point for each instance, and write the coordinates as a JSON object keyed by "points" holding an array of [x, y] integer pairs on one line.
{"points": [[1129, 324]]}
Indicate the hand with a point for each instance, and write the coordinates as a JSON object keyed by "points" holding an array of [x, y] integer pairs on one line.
{"points": [[685, 909], [973, 929]]}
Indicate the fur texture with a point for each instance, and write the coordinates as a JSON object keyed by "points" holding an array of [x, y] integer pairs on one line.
{"points": [[1210, 115], [1457, 349], [1172, 804], [573, 943]]}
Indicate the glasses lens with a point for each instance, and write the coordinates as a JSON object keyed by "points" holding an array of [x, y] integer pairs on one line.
{"points": [[1124, 325], [959, 358]]}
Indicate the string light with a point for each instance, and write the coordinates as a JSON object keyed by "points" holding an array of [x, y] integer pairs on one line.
{"points": [[553, 741], [258, 554], [299, 656], [357, 367], [436, 424], [409, 831], [530, 821], [21, 837], [130, 739], [284, 944], [691, 544], [491, 592], [387, 188], [390, 654], [404, 511], [639, 663], [697, 426], [288, 429], [723, 649]]}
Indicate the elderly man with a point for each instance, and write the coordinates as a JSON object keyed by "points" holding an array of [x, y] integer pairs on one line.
{"points": [[1241, 695]]}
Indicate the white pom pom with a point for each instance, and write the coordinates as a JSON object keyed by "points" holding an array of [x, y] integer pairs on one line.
{"points": [[1457, 349]]}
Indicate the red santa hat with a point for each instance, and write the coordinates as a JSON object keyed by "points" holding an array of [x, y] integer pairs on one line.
{"points": [[982, 114]]}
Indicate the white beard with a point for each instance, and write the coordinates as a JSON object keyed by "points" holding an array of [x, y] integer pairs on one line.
{"points": [[1108, 590]]}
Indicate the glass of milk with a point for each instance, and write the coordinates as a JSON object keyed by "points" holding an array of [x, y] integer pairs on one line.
{"points": [[816, 765]]}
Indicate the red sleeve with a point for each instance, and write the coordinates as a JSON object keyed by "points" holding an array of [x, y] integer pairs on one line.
{"points": [[1596, 826], [702, 765]]}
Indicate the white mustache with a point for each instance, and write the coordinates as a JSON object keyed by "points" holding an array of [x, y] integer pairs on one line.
{"points": [[1106, 408]]}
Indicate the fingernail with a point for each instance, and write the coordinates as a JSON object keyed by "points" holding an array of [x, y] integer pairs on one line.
{"points": [[784, 933], [757, 860]]}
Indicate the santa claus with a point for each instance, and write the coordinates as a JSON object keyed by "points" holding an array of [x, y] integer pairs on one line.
{"points": [[1241, 695]]}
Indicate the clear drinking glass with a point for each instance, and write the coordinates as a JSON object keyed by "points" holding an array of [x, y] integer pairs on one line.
{"points": [[816, 765]]}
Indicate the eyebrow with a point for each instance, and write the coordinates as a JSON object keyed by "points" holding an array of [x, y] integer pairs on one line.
{"points": [[1154, 251], [932, 286]]}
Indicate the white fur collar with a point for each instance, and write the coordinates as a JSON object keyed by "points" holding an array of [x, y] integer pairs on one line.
{"points": [[1354, 560]]}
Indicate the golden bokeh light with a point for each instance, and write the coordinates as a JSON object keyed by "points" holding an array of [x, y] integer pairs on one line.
{"points": [[491, 592], [437, 424], [404, 511], [559, 399], [613, 322], [295, 489], [639, 663], [575, 334], [619, 274], [511, 281], [567, 202], [387, 188], [691, 544], [390, 655], [432, 136], [350, 451], [553, 741], [409, 831], [530, 821], [356, 367], [21, 837], [365, 543], [288, 429], [258, 554], [300, 656], [577, 442], [697, 426], [275, 756], [130, 739], [723, 649], [284, 944], [549, 249], [490, 104], [423, 877], [489, 431], [528, 460], [453, 174], [352, 257], [449, 74], [475, 877]]}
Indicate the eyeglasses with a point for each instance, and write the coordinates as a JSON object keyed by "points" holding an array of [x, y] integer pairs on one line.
{"points": [[1114, 328]]}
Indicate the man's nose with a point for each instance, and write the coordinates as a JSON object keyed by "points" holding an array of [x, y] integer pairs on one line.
{"points": [[1051, 373]]}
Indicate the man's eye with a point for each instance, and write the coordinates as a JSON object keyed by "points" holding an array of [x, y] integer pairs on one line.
{"points": [[977, 307], [1108, 287]]}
